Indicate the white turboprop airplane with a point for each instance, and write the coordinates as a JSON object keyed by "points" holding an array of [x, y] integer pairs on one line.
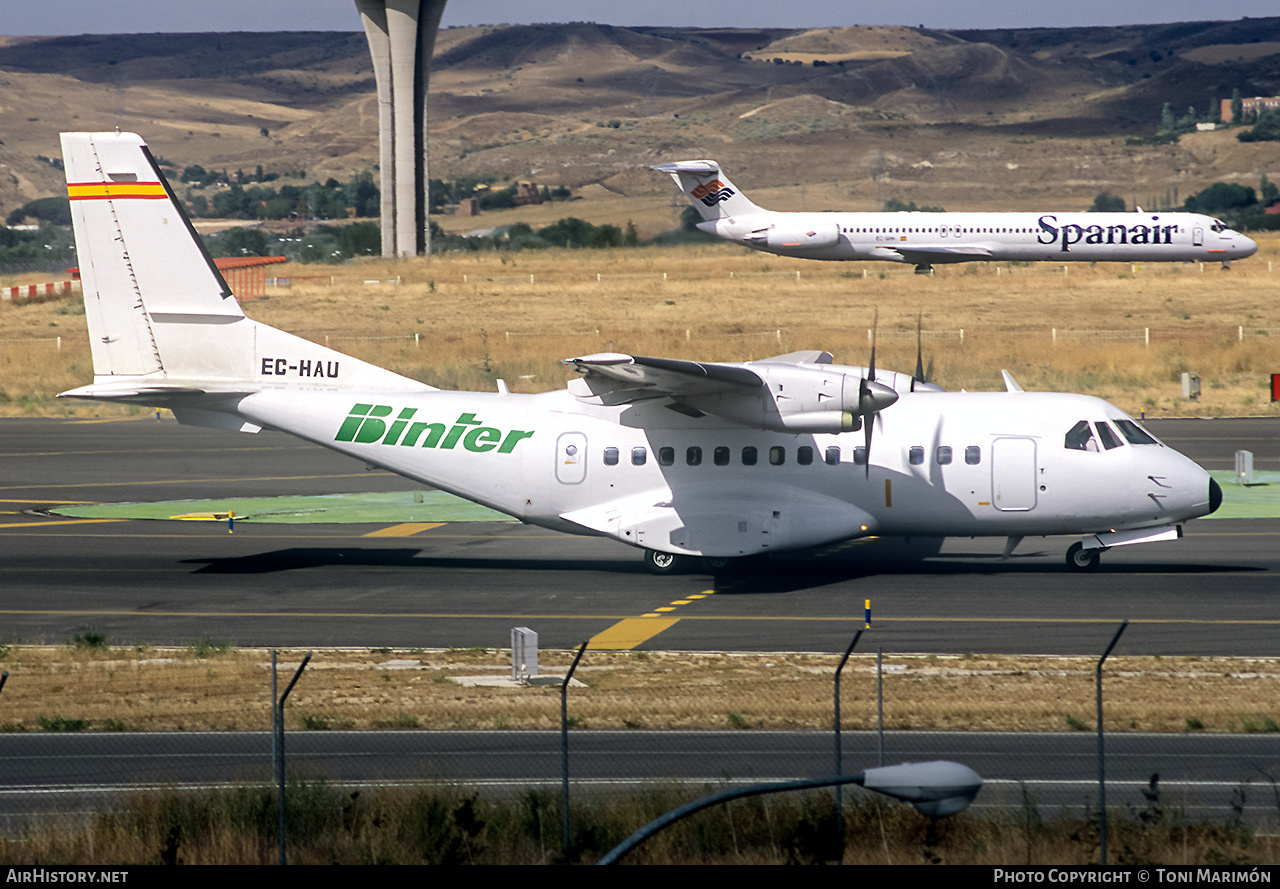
{"points": [[679, 458], [924, 239]]}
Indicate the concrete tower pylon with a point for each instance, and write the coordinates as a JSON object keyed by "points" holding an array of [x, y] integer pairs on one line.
{"points": [[402, 37]]}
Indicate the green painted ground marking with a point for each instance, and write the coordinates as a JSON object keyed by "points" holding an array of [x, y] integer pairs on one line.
{"points": [[390, 508], [1258, 501], [1261, 500]]}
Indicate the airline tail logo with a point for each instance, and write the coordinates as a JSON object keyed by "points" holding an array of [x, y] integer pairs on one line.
{"points": [[712, 193]]}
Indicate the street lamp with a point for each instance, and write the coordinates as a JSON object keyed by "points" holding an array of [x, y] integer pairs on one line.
{"points": [[936, 789]]}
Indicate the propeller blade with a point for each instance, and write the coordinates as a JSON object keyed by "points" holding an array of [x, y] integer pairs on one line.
{"points": [[867, 424], [918, 376], [875, 327]]}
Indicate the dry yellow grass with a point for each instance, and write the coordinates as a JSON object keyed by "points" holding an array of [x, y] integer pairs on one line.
{"points": [[460, 321], [166, 689]]}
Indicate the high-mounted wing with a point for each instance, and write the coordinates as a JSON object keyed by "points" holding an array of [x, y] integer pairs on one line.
{"points": [[797, 392], [665, 376]]}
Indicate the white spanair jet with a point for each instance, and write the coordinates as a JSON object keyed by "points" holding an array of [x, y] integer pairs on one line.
{"points": [[679, 458], [925, 239]]}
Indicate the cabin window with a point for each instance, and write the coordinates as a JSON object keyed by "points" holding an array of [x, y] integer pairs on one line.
{"points": [[1080, 438], [804, 455], [973, 455], [666, 456], [721, 456], [693, 456], [943, 455], [1135, 433], [639, 456], [832, 456], [610, 456], [915, 456], [860, 456], [748, 456], [1109, 438], [777, 455]]}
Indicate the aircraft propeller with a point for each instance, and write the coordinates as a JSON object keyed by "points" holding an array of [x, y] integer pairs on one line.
{"points": [[920, 379], [873, 397]]}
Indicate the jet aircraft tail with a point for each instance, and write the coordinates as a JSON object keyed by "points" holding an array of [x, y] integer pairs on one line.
{"points": [[163, 324], [709, 189]]}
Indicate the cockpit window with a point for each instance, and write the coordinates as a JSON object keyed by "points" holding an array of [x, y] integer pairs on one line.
{"points": [[1217, 225], [1109, 438], [1135, 433], [1080, 438]]}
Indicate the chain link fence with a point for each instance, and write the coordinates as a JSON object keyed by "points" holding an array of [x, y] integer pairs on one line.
{"points": [[80, 725]]}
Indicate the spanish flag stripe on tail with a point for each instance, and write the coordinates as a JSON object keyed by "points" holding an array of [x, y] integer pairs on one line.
{"points": [[101, 191]]}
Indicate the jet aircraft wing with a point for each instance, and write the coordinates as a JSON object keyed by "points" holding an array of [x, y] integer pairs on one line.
{"points": [[930, 253]]}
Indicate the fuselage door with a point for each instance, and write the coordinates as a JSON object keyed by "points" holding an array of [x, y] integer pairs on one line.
{"points": [[1197, 236], [571, 458], [1013, 474]]}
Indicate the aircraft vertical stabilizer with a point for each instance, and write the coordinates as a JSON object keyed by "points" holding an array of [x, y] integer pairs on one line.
{"points": [[138, 256], [161, 318], [709, 189]]}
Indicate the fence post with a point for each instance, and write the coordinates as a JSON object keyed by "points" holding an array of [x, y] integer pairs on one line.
{"points": [[278, 724], [839, 752], [879, 705], [564, 750], [1102, 768]]}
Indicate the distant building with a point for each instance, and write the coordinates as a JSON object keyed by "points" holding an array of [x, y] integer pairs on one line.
{"points": [[527, 193], [1250, 108], [468, 207]]}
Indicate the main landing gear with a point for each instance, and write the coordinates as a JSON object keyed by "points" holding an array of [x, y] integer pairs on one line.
{"points": [[1081, 559], [662, 563], [670, 563]]}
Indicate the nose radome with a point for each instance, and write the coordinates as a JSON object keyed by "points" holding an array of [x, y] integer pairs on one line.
{"points": [[1215, 496], [1248, 246]]}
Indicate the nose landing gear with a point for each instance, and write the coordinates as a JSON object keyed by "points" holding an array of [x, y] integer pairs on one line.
{"points": [[1081, 559]]}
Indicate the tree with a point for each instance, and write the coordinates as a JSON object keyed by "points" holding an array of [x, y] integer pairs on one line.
{"points": [[1106, 202], [1267, 190], [1266, 129], [1220, 197], [243, 242]]}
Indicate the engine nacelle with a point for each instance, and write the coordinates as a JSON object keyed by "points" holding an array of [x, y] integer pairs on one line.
{"points": [[794, 237], [801, 398]]}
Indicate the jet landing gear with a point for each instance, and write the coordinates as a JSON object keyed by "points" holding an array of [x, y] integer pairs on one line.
{"points": [[924, 269], [1081, 559]]}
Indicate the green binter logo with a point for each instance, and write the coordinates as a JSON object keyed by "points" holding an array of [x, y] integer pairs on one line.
{"points": [[367, 424]]}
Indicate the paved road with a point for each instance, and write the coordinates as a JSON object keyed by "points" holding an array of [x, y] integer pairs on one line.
{"points": [[466, 584]]}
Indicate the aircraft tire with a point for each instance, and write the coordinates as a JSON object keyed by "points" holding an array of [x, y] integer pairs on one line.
{"points": [[662, 563], [1081, 559]]}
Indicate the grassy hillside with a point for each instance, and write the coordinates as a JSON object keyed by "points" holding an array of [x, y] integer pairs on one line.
{"points": [[840, 117]]}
